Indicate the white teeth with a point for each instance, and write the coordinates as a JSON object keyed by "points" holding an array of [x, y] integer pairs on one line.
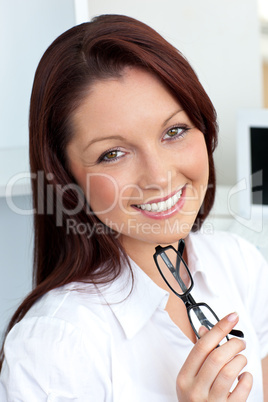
{"points": [[154, 207], [174, 199], [162, 205], [148, 207], [169, 203]]}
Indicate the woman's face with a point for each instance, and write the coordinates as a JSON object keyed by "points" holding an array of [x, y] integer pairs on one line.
{"points": [[140, 161]]}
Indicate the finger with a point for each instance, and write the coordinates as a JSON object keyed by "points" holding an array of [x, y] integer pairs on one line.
{"points": [[215, 369], [206, 344], [219, 357], [226, 377], [243, 388], [202, 331]]}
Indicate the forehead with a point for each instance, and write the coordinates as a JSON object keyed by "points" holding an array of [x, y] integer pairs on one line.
{"points": [[136, 94]]}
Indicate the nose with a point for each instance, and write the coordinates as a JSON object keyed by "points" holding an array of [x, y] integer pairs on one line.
{"points": [[156, 171]]}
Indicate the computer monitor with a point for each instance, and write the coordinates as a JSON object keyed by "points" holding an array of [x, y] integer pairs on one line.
{"points": [[252, 162]]}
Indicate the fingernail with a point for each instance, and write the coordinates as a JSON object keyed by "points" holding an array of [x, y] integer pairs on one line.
{"points": [[232, 317]]}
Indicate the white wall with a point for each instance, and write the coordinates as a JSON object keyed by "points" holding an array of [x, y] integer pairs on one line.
{"points": [[16, 239], [221, 41], [26, 29]]}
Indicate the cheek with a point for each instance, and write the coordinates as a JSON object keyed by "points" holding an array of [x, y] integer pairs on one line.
{"points": [[198, 167], [196, 170], [101, 192]]}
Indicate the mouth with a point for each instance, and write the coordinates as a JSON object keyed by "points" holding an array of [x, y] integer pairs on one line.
{"points": [[163, 205]]}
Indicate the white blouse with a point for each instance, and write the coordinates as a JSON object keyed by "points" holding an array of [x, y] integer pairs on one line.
{"points": [[79, 343]]}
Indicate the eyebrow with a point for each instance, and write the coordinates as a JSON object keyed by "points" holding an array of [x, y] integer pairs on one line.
{"points": [[170, 117], [110, 137], [119, 137]]}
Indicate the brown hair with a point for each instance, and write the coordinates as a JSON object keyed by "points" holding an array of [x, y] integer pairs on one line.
{"points": [[82, 55]]}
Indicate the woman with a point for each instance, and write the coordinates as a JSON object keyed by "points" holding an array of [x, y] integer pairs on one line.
{"points": [[121, 142]]}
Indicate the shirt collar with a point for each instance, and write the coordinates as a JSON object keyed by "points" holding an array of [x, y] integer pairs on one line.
{"points": [[197, 262], [134, 306]]}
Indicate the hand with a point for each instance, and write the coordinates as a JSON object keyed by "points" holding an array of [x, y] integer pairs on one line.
{"points": [[209, 372]]}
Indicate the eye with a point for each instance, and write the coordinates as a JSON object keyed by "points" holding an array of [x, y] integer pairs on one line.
{"points": [[111, 155], [176, 132]]}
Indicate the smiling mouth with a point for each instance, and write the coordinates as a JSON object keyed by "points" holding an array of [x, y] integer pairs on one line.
{"points": [[161, 206]]}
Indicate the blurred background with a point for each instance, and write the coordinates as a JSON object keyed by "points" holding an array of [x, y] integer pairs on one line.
{"points": [[225, 41]]}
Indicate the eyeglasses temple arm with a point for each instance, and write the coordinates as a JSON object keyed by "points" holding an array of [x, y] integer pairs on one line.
{"points": [[181, 246], [174, 272], [237, 332]]}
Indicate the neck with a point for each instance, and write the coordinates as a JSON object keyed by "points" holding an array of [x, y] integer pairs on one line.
{"points": [[142, 254]]}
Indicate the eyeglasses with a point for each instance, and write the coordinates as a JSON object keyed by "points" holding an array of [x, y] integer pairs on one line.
{"points": [[178, 278]]}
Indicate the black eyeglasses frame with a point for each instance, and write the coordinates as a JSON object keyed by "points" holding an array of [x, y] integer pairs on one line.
{"points": [[186, 297]]}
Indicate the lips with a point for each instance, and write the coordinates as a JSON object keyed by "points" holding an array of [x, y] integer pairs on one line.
{"points": [[163, 205]]}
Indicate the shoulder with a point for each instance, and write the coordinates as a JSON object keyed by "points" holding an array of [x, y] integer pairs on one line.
{"points": [[65, 332], [75, 314], [76, 307], [224, 244]]}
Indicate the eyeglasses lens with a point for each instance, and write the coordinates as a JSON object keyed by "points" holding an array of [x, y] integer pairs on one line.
{"points": [[174, 271], [201, 316]]}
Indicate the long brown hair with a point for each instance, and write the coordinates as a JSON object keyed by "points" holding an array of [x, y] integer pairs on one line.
{"points": [[79, 57]]}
